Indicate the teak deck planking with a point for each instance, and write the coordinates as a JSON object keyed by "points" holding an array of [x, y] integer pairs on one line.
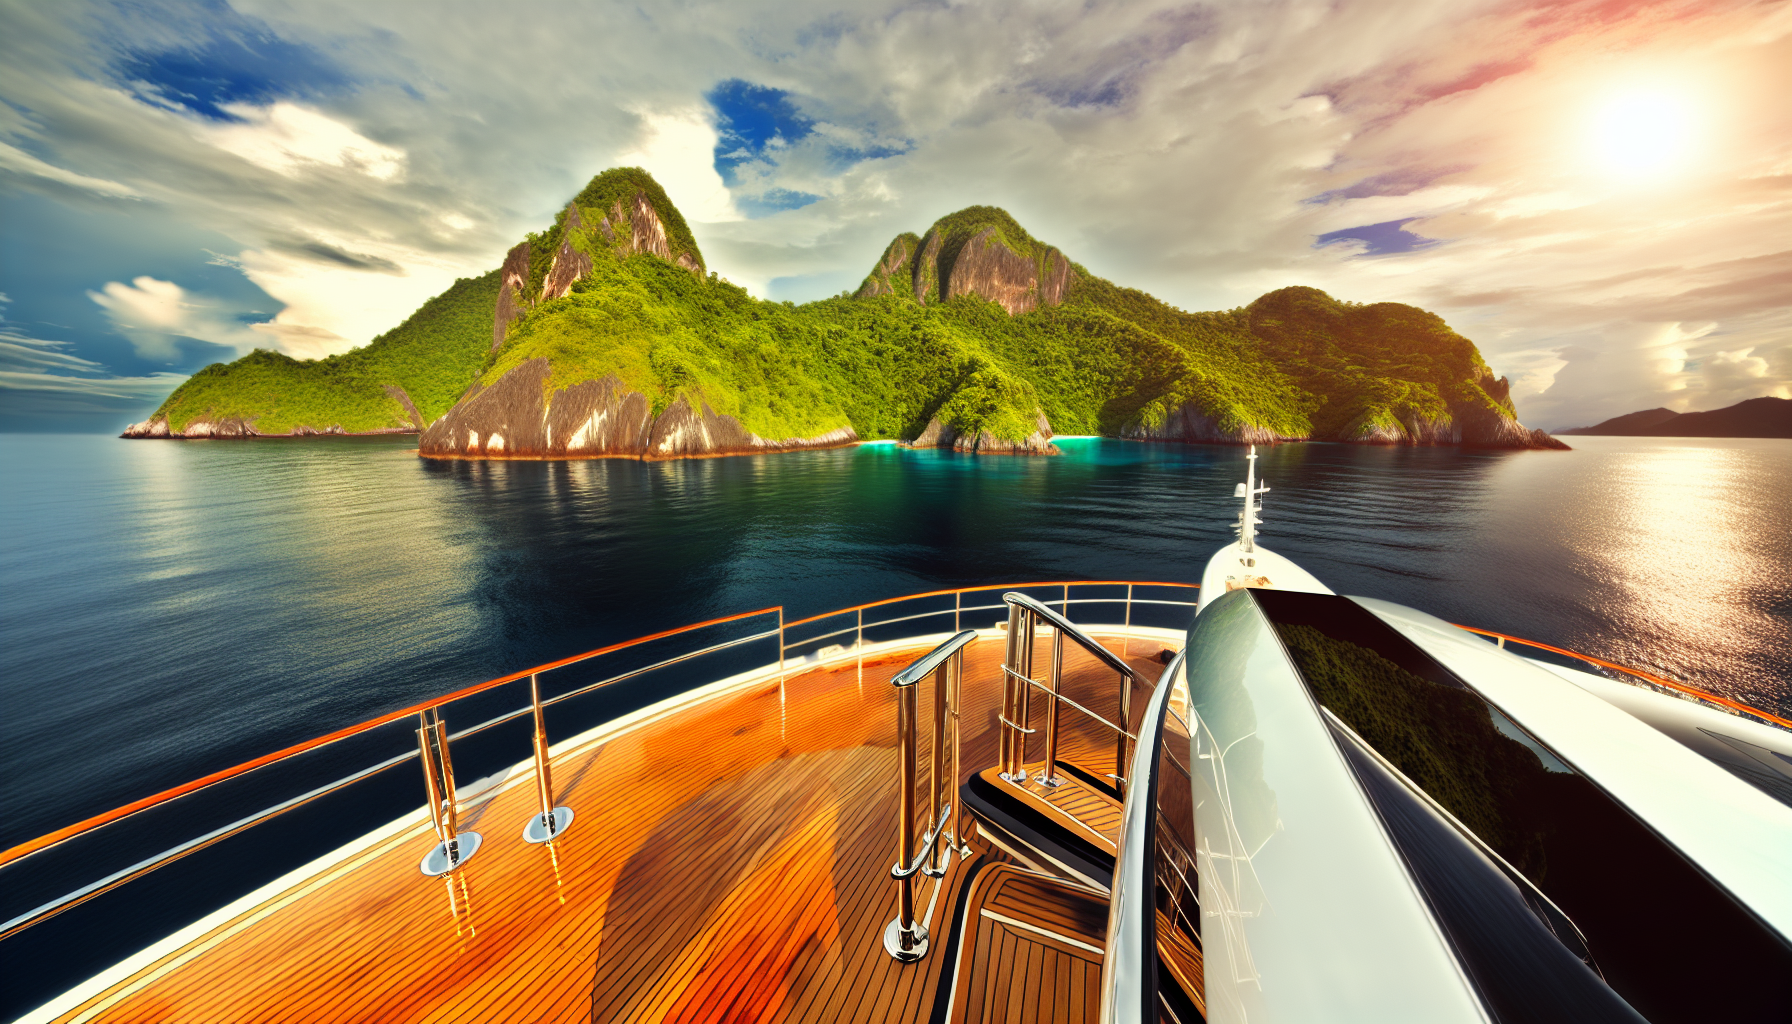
{"points": [[729, 859], [1033, 951]]}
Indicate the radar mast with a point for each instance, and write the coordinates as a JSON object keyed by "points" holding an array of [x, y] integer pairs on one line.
{"points": [[1248, 520]]}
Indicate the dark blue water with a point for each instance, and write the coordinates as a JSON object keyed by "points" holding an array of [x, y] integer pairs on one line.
{"points": [[172, 608]]}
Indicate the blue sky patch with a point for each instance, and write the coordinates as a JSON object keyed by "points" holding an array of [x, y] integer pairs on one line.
{"points": [[1385, 239], [774, 200], [238, 60], [752, 118]]}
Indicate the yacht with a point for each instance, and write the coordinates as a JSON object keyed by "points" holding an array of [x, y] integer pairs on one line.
{"points": [[1252, 800]]}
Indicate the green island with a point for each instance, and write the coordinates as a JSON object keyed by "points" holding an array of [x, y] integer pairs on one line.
{"points": [[604, 335]]}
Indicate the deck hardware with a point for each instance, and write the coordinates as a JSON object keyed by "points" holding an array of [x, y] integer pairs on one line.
{"points": [[456, 847], [906, 938], [552, 820], [1017, 697], [1048, 776]]}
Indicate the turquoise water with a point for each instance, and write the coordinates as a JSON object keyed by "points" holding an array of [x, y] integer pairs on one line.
{"points": [[174, 608]]}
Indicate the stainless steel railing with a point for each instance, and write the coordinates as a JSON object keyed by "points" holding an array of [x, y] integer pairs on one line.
{"points": [[905, 938], [107, 848], [1024, 615]]}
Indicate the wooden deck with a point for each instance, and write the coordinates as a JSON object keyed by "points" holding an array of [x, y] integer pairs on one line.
{"points": [[1033, 951], [730, 860]]}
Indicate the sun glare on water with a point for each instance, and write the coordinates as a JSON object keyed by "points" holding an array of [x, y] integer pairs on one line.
{"points": [[1643, 134]]}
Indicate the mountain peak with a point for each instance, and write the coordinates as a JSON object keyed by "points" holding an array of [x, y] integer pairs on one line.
{"points": [[979, 250]]}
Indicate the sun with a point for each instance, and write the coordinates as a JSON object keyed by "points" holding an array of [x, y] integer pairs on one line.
{"points": [[1643, 133]]}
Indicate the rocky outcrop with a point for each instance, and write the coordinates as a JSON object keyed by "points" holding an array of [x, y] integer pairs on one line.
{"points": [[569, 264], [228, 427], [1188, 424], [515, 419], [986, 268], [940, 435], [884, 276], [513, 280], [630, 226], [975, 259], [926, 278], [403, 398], [236, 428], [155, 426]]}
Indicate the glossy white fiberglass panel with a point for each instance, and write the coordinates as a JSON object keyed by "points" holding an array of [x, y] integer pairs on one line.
{"points": [[1263, 567], [1307, 914], [1740, 836]]}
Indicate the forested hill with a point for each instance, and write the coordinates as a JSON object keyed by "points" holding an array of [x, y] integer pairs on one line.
{"points": [[604, 335]]}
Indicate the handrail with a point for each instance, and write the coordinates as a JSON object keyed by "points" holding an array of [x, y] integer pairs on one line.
{"points": [[44, 842], [1681, 688], [1065, 626], [991, 586], [932, 659], [905, 938], [1129, 969]]}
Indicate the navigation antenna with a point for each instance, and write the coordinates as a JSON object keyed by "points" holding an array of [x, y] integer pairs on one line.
{"points": [[1249, 491]]}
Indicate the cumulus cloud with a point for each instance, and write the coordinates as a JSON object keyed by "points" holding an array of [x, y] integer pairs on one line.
{"points": [[289, 139], [156, 315], [1457, 155]]}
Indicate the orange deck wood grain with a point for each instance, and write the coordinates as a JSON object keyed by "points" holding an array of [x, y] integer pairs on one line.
{"points": [[729, 860]]}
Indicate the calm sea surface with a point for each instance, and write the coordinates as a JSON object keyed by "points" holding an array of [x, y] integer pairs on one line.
{"points": [[171, 608]]}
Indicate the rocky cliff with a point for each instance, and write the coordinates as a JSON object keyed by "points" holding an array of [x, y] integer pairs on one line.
{"points": [[518, 418], [979, 251], [940, 435]]}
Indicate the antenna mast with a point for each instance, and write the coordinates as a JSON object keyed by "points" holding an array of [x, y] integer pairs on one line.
{"points": [[1249, 491]]}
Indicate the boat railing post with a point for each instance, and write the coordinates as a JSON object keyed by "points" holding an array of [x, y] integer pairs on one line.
{"points": [[1017, 703], [1120, 758], [952, 709], [780, 640], [938, 787], [905, 938], [957, 610], [455, 847], [1010, 665], [551, 821], [1048, 776], [1129, 609]]}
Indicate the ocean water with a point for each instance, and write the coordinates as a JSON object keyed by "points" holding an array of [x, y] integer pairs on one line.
{"points": [[173, 608]]}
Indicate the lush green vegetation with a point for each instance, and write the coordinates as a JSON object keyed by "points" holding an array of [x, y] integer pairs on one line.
{"points": [[1378, 364], [433, 356], [1109, 360]]}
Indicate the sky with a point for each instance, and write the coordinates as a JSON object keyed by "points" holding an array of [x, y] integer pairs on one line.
{"points": [[1599, 195]]}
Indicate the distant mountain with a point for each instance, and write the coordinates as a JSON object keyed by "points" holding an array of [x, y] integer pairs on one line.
{"points": [[1757, 417], [605, 335]]}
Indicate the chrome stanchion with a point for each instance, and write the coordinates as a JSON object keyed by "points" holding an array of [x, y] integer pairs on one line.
{"points": [[1120, 758], [1048, 776], [1017, 705], [957, 678], [456, 847], [905, 938], [551, 821], [938, 783]]}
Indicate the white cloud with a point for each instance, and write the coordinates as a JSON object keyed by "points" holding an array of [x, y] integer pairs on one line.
{"points": [[678, 147], [155, 315], [291, 139], [154, 387], [21, 162], [24, 353]]}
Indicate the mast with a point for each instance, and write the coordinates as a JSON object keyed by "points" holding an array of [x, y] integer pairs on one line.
{"points": [[1249, 491]]}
